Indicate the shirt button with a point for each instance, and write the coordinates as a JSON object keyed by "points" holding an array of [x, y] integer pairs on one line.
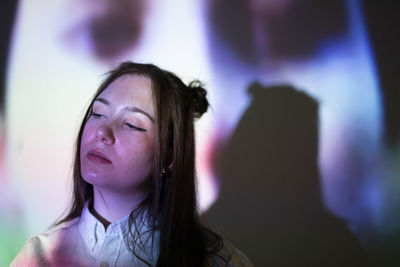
{"points": [[104, 264]]}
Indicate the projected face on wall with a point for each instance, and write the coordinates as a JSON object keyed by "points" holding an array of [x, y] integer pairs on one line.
{"points": [[268, 32], [321, 50], [106, 30]]}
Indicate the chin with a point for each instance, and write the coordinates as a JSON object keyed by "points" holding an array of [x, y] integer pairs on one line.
{"points": [[94, 178]]}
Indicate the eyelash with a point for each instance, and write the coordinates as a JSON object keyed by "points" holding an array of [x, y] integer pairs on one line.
{"points": [[133, 127], [94, 114], [130, 126]]}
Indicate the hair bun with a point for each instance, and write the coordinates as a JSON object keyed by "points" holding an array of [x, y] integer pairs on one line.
{"points": [[199, 99]]}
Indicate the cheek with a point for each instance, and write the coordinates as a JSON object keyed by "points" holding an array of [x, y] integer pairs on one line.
{"points": [[86, 138], [138, 150], [87, 133], [138, 153]]}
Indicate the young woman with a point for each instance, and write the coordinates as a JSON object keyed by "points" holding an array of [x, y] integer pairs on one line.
{"points": [[134, 198]]}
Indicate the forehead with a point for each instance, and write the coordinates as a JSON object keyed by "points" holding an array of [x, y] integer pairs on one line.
{"points": [[130, 89]]}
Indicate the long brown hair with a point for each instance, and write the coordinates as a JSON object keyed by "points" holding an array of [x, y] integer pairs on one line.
{"points": [[171, 206]]}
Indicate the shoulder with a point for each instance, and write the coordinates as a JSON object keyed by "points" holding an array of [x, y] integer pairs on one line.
{"points": [[37, 249], [237, 257], [231, 256]]}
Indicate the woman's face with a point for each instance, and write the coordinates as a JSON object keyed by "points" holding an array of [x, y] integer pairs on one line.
{"points": [[118, 141]]}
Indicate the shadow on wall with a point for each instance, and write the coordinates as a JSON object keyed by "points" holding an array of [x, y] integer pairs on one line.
{"points": [[270, 201]]}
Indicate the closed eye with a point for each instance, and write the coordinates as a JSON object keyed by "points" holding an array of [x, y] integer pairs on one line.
{"points": [[96, 115], [133, 127]]}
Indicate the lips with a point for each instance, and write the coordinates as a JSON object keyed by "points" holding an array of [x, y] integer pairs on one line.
{"points": [[98, 157]]}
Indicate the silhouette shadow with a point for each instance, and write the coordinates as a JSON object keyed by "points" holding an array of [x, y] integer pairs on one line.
{"points": [[270, 199]]}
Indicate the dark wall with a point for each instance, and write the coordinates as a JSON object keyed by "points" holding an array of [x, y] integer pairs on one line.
{"points": [[7, 14]]}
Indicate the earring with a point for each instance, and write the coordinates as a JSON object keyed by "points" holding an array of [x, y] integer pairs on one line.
{"points": [[169, 169]]}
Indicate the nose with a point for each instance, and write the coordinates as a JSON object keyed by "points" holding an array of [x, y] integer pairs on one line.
{"points": [[105, 134]]}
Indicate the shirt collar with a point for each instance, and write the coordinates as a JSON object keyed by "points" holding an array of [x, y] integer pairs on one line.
{"points": [[92, 229]]}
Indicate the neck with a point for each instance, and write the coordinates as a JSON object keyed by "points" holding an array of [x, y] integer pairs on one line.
{"points": [[110, 206]]}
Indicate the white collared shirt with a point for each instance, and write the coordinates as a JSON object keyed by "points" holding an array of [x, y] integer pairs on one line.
{"points": [[85, 242]]}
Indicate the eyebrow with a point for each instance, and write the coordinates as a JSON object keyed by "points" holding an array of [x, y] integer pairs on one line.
{"points": [[130, 108]]}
